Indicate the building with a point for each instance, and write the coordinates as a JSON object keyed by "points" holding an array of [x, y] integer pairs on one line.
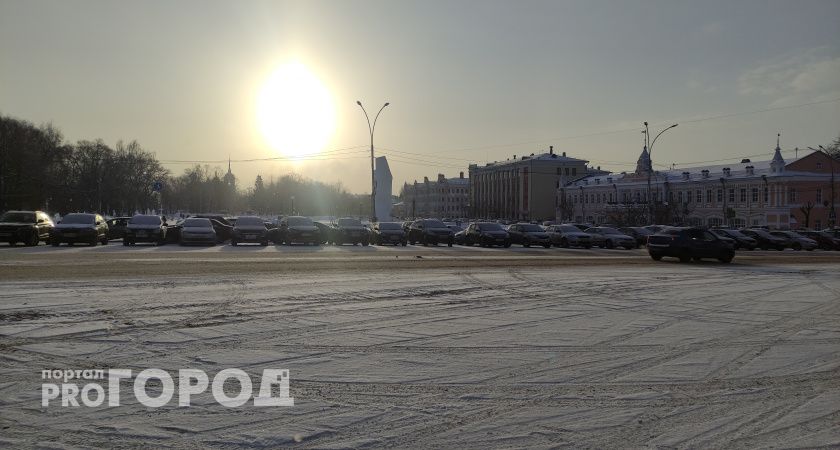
{"points": [[444, 198], [522, 188], [382, 198], [798, 193]]}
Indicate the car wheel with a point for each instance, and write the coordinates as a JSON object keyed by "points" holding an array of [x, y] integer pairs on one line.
{"points": [[104, 241], [656, 257], [609, 244], [526, 244], [404, 243], [507, 244], [797, 246], [546, 245], [125, 243], [54, 242], [233, 243], [365, 243], [564, 243], [726, 258], [449, 244], [685, 257]]}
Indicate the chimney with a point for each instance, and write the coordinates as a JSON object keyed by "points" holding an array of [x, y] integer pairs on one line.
{"points": [[514, 157], [426, 180], [750, 170], [564, 153], [705, 173], [550, 149], [441, 178], [727, 171], [745, 161], [462, 175], [686, 175], [599, 168]]}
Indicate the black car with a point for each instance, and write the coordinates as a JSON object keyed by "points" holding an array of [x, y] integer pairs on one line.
{"points": [[640, 234], [349, 231], [824, 240], [249, 229], [687, 243], [29, 227], [528, 234], [145, 228], [741, 240], [80, 227], [765, 240], [430, 231], [116, 227], [297, 229], [389, 233], [486, 234]]}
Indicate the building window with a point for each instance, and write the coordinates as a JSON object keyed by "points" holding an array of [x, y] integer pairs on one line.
{"points": [[679, 197], [818, 224], [732, 195], [792, 195], [743, 195], [719, 195], [709, 196], [819, 198], [567, 171], [574, 171], [699, 197], [766, 195], [755, 194]]}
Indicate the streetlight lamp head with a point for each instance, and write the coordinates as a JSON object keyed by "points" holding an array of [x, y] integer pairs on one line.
{"points": [[646, 124], [386, 104], [358, 102], [672, 126]]}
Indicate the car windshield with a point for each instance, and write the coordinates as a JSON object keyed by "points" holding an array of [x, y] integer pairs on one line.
{"points": [[530, 228], [390, 226], [18, 217], [608, 230], [568, 229], [434, 224], [145, 220], [78, 219], [735, 233], [349, 223], [300, 222], [197, 223], [249, 221], [489, 227]]}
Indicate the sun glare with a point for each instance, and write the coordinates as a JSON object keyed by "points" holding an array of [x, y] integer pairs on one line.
{"points": [[295, 111]]}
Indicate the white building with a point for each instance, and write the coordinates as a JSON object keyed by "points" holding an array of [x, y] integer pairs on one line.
{"points": [[443, 198]]}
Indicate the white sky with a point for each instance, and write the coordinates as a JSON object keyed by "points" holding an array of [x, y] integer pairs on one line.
{"points": [[467, 80]]}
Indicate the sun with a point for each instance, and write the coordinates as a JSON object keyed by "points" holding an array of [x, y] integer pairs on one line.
{"points": [[295, 111]]}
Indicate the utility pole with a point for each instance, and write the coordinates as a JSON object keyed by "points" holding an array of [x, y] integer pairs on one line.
{"points": [[372, 128], [649, 148]]}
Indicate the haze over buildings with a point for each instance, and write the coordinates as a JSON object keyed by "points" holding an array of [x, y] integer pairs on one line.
{"points": [[467, 81]]}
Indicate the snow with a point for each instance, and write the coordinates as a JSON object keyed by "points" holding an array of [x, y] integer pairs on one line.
{"points": [[597, 355]]}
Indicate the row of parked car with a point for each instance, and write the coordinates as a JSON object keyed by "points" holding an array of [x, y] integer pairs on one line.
{"points": [[32, 227]]}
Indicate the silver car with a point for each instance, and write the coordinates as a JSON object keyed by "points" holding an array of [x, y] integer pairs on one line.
{"points": [[568, 236], [197, 231], [606, 237]]}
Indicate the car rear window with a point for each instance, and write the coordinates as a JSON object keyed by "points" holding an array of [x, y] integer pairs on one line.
{"points": [[18, 217], [528, 227], [250, 221], [79, 219], [197, 223], [390, 226], [431, 223], [489, 227], [349, 223], [145, 220]]}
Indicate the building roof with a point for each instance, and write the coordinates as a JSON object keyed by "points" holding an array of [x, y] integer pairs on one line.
{"points": [[552, 157], [695, 173]]}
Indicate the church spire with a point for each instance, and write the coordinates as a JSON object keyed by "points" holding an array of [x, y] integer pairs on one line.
{"points": [[777, 164]]}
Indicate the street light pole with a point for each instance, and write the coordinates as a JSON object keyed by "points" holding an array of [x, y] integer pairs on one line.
{"points": [[372, 128], [832, 215], [649, 146]]}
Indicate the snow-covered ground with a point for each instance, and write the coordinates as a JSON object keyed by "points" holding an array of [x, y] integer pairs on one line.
{"points": [[600, 355]]}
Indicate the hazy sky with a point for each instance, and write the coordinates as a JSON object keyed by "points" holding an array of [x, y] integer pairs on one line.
{"points": [[467, 80]]}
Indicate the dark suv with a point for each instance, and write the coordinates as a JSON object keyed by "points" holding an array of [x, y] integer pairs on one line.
{"points": [[298, 229], [430, 231], [145, 228], [764, 240], [80, 227], [249, 229], [350, 231], [486, 234], [29, 227], [687, 244], [389, 233]]}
